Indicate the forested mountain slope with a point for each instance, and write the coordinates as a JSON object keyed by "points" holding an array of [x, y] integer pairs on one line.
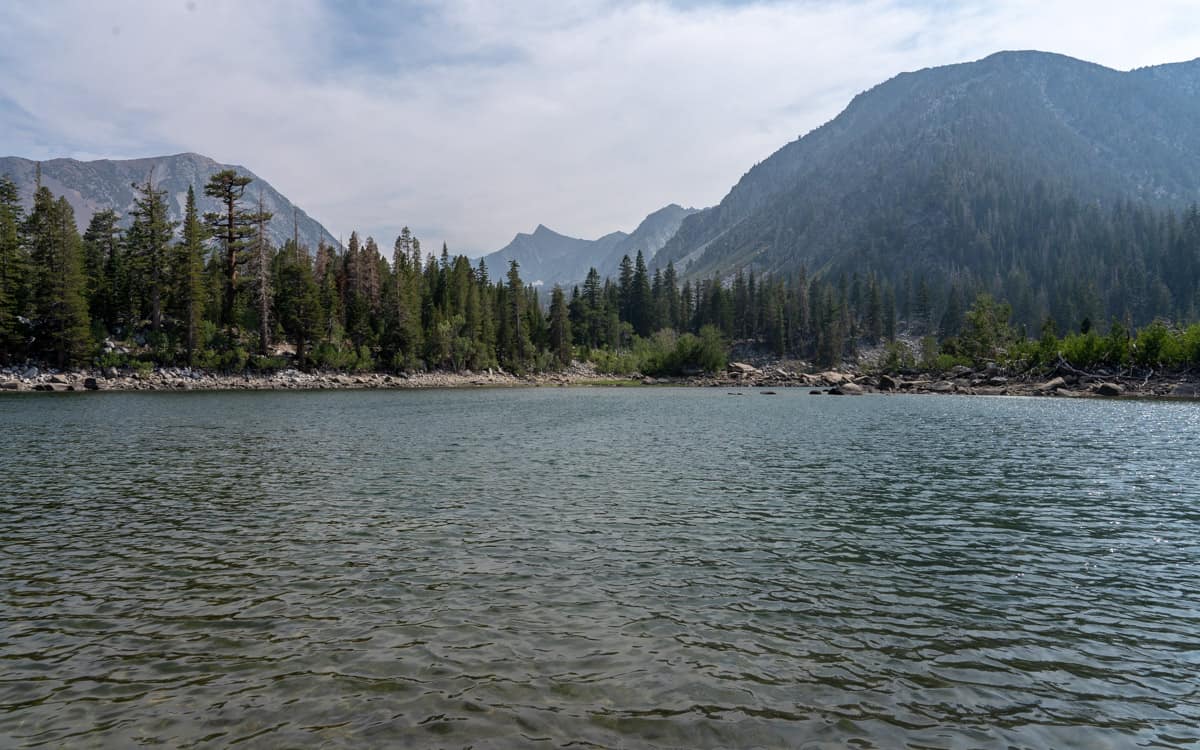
{"points": [[1003, 175]]}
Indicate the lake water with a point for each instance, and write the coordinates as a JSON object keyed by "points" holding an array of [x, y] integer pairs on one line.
{"points": [[597, 568]]}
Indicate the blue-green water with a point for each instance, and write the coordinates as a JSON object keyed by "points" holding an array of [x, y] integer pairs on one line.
{"points": [[597, 568]]}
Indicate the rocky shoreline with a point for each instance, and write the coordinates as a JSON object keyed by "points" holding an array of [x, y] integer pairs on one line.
{"points": [[738, 376]]}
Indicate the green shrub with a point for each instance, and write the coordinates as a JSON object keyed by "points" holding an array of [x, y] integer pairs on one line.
{"points": [[1157, 346], [613, 362], [896, 358]]}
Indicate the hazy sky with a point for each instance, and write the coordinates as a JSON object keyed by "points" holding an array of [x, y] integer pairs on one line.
{"points": [[471, 120]]}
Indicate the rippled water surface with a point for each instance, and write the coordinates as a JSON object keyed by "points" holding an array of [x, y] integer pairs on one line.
{"points": [[597, 568]]}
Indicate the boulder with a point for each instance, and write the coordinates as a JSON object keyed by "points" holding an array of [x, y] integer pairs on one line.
{"points": [[847, 389], [1109, 389], [1052, 385], [769, 393], [10, 385], [59, 379], [91, 384], [942, 386], [997, 381], [741, 368], [887, 383], [833, 378], [1185, 390]]}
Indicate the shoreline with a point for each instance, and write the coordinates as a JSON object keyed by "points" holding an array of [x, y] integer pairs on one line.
{"points": [[739, 376]]}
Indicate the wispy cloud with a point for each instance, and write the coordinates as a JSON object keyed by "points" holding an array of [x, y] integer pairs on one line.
{"points": [[470, 120]]}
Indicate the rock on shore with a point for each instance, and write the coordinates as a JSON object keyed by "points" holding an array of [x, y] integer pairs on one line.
{"points": [[961, 380]]}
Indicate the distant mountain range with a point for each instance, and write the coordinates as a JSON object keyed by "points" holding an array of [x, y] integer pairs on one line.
{"points": [[92, 186], [911, 169], [547, 257]]}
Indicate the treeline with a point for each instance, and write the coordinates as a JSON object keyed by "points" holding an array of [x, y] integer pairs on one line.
{"points": [[988, 336], [213, 292]]}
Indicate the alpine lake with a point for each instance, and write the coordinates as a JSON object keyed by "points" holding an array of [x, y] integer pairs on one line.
{"points": [[597, 568]]}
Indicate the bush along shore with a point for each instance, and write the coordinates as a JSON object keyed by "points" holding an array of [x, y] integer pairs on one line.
{"points": [[739, 377]]}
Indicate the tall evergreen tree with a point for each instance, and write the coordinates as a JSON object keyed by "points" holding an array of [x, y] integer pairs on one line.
{"points": [[148, 238], [61, 323], [105, 268], [641, 312], [560, 327], [14, 269], [233, 227], [190, 289], [518, 344], [297, 299]]}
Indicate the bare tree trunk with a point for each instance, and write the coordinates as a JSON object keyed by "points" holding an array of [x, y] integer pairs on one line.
{"points": [[263, 271]]}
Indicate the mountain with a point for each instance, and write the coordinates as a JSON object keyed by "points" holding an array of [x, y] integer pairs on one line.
{"points": [[547, 257], [92, 186], [929, 160]]}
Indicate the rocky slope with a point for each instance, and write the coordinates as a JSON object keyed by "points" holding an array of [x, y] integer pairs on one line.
{"points": [[878, 184], [92, 186], [547, 257]]}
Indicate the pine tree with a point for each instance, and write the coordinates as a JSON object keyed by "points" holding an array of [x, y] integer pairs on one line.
{"points": [[233, 227], [641, 313], [104, 265], [148, 238], [61, 323], [625, 288], [190, 289], [14, 269], [560, 327], [518, 345], [297, 298]]}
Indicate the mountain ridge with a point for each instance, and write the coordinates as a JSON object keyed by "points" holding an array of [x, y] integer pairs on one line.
{"points": [[549, 257], [99, 184], [1100, 133]]}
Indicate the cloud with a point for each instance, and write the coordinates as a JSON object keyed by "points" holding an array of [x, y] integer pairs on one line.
{"points": [[471, 120]]}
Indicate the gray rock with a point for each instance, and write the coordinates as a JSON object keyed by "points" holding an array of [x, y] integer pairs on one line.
{"points": [[91, 384], [942, 386], [849, 389], [1052, 385], [887, 383], [833, 378], [1186, 390], [10, 385], [1109, 389], [59, 379]]}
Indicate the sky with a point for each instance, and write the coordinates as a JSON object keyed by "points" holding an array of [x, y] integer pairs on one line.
{"points": [[472, 120]]}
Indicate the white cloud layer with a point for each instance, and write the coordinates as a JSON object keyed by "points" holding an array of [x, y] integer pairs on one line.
{"points": [[470, 120]]}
